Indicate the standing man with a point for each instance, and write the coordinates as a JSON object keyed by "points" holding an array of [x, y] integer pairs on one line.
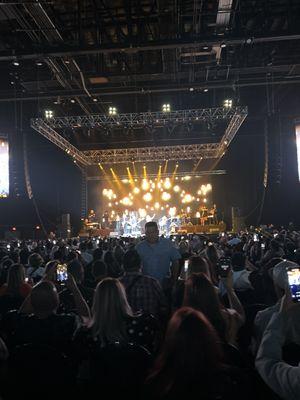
{"points": [[159, 256]]}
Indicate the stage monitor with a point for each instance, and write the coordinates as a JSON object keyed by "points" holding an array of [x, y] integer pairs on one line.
{"points": [[4, 168], [298, 148]]}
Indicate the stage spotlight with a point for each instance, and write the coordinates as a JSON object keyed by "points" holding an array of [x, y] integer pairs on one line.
{"points": [[145, 185], [72, 101], [167, 183], [49, 114], [205, 90], [16, 63], [187, 198], [188, 209], [176, 188], [39, 63], [156, 206], [197, 214], [165, 196], [126, 201], [136, 190], [223, 45], [147, 197], [166, 108], [205, 200], [112, 111], [227, 103]]}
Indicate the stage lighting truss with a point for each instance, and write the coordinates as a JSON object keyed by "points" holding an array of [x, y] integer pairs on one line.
{"points": [[178, 175], [236, 116]]}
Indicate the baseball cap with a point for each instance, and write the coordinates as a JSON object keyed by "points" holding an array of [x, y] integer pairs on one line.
{"points": [[280, 277]]}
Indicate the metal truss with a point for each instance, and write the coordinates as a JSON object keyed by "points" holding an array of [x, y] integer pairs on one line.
{"points": [[138, 120], [179, 175], [230, 132], [237, 115], [44, 129], [147, 154]]}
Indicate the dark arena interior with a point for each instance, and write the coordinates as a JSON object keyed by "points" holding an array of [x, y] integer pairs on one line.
{"points": [[149, 195]]}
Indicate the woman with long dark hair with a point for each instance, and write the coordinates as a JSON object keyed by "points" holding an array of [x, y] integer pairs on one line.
{"points": [[201, 294], [190, 363]]}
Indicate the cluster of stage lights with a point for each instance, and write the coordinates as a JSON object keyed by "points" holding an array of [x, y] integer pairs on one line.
{"points": [[155, 195], [166, 108]]}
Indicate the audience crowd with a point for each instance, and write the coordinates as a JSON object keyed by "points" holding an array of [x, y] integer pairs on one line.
{"points": [[192, 316]]}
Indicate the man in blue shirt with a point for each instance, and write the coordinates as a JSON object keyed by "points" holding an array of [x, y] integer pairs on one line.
{"points": [[158, 255]]}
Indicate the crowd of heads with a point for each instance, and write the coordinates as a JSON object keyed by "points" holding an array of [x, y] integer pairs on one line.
{"points": [[201, 330]]}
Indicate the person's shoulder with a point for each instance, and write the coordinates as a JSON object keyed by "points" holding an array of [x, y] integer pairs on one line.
{"points": [[140, 245], [262, 315]]}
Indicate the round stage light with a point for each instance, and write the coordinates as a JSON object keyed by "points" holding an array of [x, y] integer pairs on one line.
{"points": [[147, 197], [167, 184], [145, 184], [136, 190], [156, 206], [187, 198], [205, 200], [165, 196], [126, 201], [176, 188]]}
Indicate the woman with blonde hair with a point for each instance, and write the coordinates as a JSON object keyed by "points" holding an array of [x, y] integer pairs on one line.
{"points": [[113, 320]]}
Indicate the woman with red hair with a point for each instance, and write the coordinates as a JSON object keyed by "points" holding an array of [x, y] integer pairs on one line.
{"points": [[190, 363]]}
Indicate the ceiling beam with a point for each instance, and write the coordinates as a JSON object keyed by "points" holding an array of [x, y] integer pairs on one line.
{"points": [[149, 46], [143, 91]]}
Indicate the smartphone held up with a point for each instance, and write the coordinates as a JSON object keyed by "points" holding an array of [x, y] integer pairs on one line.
{"points": [[224, 267], [61, 273], [294, 283]]}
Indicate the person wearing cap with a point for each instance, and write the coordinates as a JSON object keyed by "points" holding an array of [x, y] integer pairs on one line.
{"points": [[280, 280]]}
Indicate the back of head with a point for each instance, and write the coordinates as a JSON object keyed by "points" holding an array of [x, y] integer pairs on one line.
{"points": [[15, 278], [151, 224], [110, 310], [75, 268], [99, 269], [212, 254], [200, 294], [238, 261], [131, 260], [35, 260], [97, 254], [190, 351], [197, 265], [275, 245], [44, 298]]}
